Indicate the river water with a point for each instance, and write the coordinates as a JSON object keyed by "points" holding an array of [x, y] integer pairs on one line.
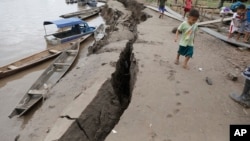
{"points": [[21, 26], [22, 34]]}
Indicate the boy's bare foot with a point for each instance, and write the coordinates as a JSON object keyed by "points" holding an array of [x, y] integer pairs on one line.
{"points": [[176, 62], [245, 41], [185, 67]]}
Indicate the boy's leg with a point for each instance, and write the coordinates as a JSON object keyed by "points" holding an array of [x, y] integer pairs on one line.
{"points": [[238, 36], [177, 59], [230, 34], [246, 37], [185, 66], [189, 54]]}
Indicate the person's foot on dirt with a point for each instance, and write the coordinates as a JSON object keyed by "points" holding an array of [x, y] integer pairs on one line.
{"points": [[176, 62], [245, 41], [185, 67]]}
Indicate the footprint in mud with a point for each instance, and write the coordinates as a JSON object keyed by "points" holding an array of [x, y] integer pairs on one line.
{"points": [[167, 140], [176, 111], [157, 57], [163, 63], [153, 135], [171, 75], [178, 82], [142, 66], [51, 106], [103, 64], [177, 94], [169, 116], [186, 92], [178, 103]]}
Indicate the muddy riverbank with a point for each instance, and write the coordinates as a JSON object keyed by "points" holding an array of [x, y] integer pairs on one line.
{"points": [[128, 81]]}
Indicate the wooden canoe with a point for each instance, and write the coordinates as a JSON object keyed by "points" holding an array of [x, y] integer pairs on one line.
{"points": [[33, 60], [56, 70], [215, 21], [225, 38], [83, 14]]}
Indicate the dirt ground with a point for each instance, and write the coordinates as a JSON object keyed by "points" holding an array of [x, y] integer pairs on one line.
{"points": [[168, 103]]}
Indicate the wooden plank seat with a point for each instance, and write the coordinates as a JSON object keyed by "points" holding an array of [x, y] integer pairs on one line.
{"points": [[61, 64], [12, 67], [53, 51], [37, 92]]}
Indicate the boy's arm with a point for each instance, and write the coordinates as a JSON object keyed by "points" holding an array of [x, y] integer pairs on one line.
{"points": [[176, 35], [195, 32], [194, 37], [179, 29]]}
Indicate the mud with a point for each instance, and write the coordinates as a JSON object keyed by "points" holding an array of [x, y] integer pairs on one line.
{"points": [[113, 17], [114, 96], [110, 16], [103, 113]]}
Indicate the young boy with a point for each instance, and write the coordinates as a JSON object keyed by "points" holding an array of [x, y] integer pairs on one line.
{"points": [[237, 20], [162, 9], [188, 29], [187, 6]]}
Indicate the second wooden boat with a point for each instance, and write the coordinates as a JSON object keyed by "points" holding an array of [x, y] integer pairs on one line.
{"points": [[47, 80], [33, 60], [83, 14], [225, 38]]}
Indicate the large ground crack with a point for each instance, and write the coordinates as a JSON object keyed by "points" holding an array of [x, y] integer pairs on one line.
{"points": [[114, 96]]}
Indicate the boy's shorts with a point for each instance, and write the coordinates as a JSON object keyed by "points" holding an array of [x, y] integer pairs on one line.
{"points": [[186, 51], [162, 9]]}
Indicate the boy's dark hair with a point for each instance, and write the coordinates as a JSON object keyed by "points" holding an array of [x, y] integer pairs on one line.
{"points": [[242, 6], [194, 13]]}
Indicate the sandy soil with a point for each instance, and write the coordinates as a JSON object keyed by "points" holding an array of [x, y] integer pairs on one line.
{"points": [[168, 103]]}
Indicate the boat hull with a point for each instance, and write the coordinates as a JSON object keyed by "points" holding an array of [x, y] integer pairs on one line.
{"points": [[53, 39], [83, 13], [47, 80]]}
